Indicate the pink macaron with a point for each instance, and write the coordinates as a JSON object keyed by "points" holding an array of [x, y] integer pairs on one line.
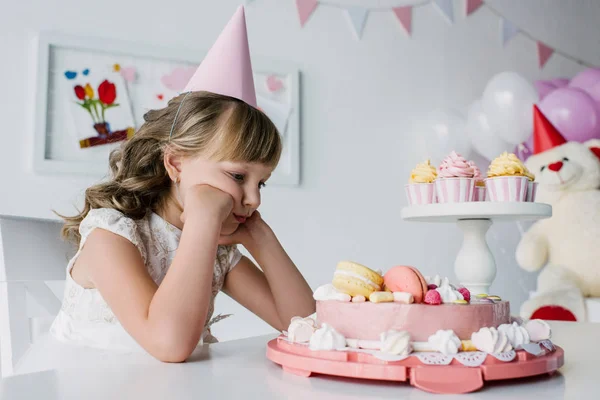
{"points": [[406, 279]]}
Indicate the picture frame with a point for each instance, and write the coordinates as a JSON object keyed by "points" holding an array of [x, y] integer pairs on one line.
{"points": [[60, 57]]}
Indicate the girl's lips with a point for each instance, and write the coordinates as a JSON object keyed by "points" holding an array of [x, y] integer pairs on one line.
{"points": [[239, 218]]}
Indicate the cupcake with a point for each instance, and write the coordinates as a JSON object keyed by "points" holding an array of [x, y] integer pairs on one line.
{"points": [[531, 186], [420, 187], [507, 179], [479, 189], [455, 181]]}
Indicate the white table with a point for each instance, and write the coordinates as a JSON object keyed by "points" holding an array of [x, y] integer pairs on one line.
{"points": [[239, 370]]}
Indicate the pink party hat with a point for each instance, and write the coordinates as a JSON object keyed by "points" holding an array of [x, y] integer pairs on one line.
{"points": [[227, 69]]}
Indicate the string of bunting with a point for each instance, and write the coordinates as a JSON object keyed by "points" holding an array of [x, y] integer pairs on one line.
{"points": [[357, 17]]}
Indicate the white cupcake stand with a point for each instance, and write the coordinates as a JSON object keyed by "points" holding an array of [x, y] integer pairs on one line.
{"points": [[475, 266]]}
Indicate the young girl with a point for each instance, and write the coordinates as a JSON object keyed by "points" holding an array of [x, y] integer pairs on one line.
{"points": [[157, 241]]}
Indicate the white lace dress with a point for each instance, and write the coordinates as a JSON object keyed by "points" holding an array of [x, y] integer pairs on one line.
{"points": [[86, 319]]}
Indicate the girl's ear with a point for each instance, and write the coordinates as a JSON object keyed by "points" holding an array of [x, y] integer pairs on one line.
{"points": [[172, 165]]}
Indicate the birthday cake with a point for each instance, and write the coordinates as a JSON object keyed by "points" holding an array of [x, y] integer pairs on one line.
{"points": [[403, 313], [403, 326]]}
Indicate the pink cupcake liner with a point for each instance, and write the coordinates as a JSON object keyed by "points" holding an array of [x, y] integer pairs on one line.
{"points": [[479, 193], [507, 188], [420, 193], [531, 191], [454, 190]]}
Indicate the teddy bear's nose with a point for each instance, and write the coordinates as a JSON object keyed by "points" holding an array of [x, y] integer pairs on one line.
{"points": [[555, 166]]}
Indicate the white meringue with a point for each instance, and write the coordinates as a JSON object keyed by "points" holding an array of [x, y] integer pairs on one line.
{"points": [[436, 280], [490, 340], [396, 342], [448, 293], [516, 334], [445, 341], [538, 330], [329, 292], [327, 338], [301, 329]]}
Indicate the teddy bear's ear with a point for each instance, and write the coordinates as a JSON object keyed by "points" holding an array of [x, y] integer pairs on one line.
{"points": [[594, 146]]}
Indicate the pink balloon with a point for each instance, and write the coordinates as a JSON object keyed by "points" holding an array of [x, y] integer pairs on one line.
{"points": [[559, 82], [573, 112], [544, 88], [586, 78], [594, 92]]}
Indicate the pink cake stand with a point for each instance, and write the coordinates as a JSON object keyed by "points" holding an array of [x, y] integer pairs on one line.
{"points": [[453, 378]]}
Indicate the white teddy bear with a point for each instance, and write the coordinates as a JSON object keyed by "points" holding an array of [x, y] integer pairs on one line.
{"points": [[568, 244]]}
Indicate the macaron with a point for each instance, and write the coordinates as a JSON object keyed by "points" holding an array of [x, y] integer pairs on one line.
{"points": [[406, 279], [356, 279]]}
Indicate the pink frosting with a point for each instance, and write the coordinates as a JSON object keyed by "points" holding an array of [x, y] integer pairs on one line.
{"points": [[455, 166], [476, 171], [368, 320]]}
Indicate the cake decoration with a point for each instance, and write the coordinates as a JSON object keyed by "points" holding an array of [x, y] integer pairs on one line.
{"points": [[329, 292], [396, 342], [406, 279], [433, 297], [355, 279], [448, 293], [516, 334], [403, 297], [301, 329], [490, 340], [445, 341], [327, 338], [359, 299], [381, 297], [538, 330], [465, 293]]}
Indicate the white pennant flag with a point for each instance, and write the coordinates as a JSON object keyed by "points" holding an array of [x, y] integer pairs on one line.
{"points": [[358, 17], [507, 30], [446, 7]]}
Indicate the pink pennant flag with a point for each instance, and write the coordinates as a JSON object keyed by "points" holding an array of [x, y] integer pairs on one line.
{"points": [[473, 5], [305, 9], [544, 53], [404, 15]]}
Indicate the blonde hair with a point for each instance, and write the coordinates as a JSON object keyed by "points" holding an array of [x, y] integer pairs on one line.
{"points": [[216, 126]]}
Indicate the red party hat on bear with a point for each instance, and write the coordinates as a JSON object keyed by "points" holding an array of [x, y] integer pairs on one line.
{"points": [[545, 135], [227, 69]]}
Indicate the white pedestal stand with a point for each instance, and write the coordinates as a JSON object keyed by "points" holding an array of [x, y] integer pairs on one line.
{"points": [[475, 266]]}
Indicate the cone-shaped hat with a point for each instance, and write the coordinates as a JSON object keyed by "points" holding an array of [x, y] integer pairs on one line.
{"points": [[545, 135], [227, 69]]}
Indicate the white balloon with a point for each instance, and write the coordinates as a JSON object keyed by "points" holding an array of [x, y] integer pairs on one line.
{"points": [[508, 101], [439, 133], [483, 139]]}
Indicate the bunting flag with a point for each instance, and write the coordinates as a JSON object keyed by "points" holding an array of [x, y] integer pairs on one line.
{"points": [[446, 7], [404, 15], [508, 30], [544, 53], [358, 17], [305, 9], [472, 6]]}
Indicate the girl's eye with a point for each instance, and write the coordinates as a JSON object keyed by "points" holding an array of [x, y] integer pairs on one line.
{"points": [[542, 168], [261, 185], [238, 177]]}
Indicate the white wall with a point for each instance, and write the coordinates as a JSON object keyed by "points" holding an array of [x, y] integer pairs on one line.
{"points": [[357, 100]]}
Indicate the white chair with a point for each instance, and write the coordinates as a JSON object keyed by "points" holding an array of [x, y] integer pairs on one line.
{"points": [[32, 258]]}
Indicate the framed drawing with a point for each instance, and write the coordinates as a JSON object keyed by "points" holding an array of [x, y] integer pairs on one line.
{"points": [[91, 95]]}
